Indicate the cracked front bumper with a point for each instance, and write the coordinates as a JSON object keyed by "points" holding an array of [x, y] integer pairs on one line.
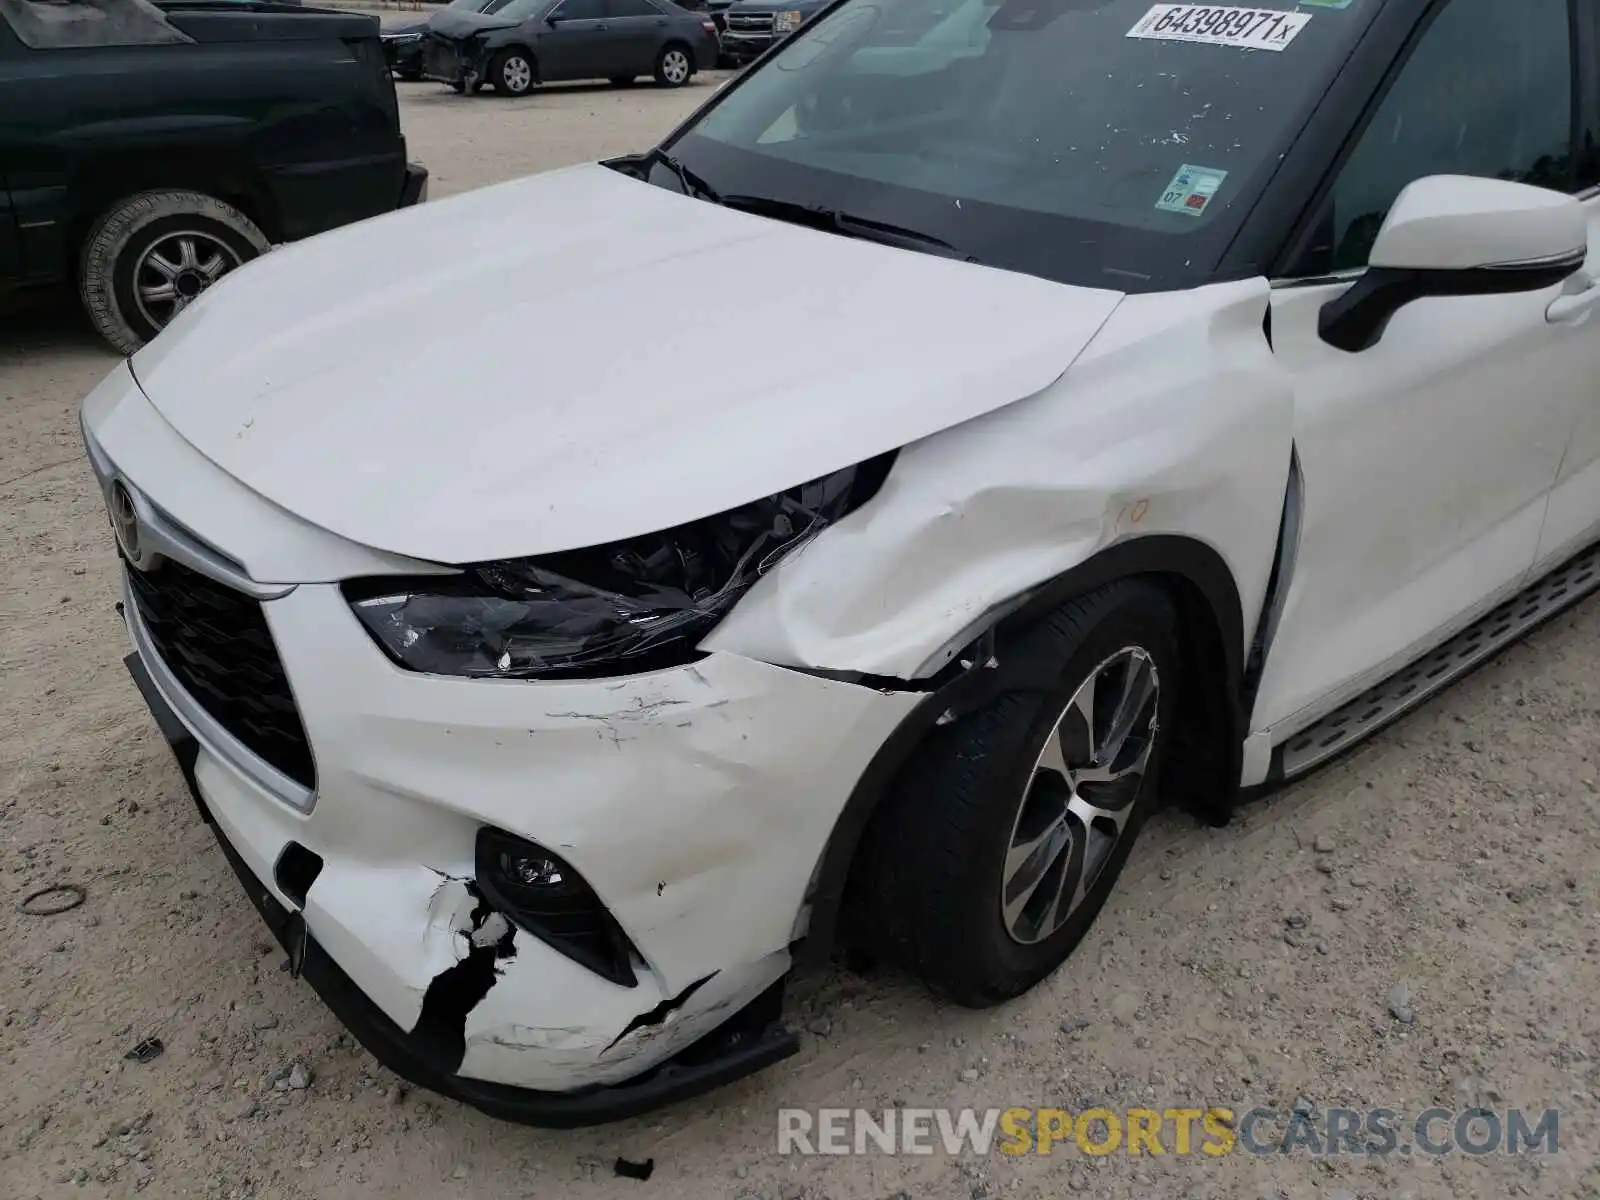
{"points": [[696, 802], [752, 1039], [659, 797]]}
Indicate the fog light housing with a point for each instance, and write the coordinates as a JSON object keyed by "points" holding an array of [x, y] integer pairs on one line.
{"points": [[539, 892]]}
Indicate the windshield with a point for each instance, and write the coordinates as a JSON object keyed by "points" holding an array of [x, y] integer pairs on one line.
{"points": [[1107, 142], [478, 6], [516, 10]]}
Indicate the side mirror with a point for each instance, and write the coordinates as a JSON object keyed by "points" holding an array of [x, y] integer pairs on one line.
{"points": [[1458, 235]]}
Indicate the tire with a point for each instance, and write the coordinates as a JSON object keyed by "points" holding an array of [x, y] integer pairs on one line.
{"points": [[674, 65], [933, 876], [622, 81], [124, 286], [513, 72]]}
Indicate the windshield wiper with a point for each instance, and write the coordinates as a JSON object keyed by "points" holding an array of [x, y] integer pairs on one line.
{"points": [[815, 216], [691, 183], [833, 220]]}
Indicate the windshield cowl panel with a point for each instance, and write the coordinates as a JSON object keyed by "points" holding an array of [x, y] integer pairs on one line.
{"points": [[1109, 143]]}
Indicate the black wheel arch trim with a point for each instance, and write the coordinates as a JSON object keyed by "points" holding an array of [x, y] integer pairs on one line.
{"points": [[981, 674]]}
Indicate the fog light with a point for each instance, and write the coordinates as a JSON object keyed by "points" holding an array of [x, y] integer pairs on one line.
{"points": [[530, 869], [539, 892]]}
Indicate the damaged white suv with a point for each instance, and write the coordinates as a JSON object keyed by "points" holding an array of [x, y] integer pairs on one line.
{"points": [[1110, 402]]}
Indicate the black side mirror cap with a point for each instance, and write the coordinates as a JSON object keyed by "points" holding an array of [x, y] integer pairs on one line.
{"points": [[1356, 320]]}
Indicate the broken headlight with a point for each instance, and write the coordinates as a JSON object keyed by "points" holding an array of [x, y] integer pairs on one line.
{"points": [[636, 605]]}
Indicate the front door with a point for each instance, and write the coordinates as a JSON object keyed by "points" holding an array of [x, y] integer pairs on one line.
{"points": [[573, 46], [638, 29], [1427, 459]]}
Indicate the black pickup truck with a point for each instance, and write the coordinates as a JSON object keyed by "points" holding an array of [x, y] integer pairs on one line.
{"points": [[146, 149]]}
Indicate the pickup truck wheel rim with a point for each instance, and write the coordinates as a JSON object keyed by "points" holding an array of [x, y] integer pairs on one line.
{"points": [[675, 66], [517, 74], [1079, 795], [175, 269]]}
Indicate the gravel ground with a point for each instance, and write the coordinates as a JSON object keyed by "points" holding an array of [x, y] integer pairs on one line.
{"points": [[1252, 965]]}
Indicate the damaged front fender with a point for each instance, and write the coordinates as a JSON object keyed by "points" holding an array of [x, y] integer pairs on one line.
{"points": [[1175, 421]]}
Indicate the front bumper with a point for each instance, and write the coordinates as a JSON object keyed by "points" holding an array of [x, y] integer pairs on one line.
{"points": [[752, 1039], [403, 57], [459, 64], [697, 802], [745, 47]]}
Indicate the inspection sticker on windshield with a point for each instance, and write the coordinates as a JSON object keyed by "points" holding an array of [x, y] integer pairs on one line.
{"points": [[1191, 190], [1246, 28]]}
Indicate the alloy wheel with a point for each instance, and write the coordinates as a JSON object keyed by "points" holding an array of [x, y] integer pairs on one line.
{"points": [[176, 269], [1080, 794]]}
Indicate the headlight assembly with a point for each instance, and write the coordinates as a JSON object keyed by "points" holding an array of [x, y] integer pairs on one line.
{"points": [[787, 22], [636, 605]]}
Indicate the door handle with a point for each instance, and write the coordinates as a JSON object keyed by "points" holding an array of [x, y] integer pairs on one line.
{"points": [[602, 27], [1576, 303]]}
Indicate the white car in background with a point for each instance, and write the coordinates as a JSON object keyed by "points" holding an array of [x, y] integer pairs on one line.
{"points": [[1114, 404]]}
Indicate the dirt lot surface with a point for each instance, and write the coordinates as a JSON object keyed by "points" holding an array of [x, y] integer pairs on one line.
{"points": [[1252, 965]]}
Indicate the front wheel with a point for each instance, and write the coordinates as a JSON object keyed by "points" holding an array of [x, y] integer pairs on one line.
{"points": [[673, 66], [999, 844], [512, 72], [149, 257]]}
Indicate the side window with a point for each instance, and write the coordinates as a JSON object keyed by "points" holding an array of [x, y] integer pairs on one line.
{"points": [[1488, 91], [578, 10], [631, 8]]}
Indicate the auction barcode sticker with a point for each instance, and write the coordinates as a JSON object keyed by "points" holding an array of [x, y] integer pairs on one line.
{"points": [[1246, 28]]}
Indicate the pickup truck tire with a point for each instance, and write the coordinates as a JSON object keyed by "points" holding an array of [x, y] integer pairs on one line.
{"points": [[674, 65], [148, 256], [513, 72]]}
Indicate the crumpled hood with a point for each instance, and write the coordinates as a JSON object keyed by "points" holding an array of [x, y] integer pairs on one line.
{"points": [[454, 23], [578, 357]]}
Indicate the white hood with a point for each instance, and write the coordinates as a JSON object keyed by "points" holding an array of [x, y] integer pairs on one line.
{"points": [[579, 357]]}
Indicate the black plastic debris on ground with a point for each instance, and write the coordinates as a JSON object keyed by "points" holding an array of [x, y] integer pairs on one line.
{"points": [[634, 1170], [146, 1051]]}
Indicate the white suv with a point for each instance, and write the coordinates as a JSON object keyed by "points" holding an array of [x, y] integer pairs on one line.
{"points": [[1111, 403]]}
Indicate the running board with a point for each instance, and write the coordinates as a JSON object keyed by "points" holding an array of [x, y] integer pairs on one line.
{"points": [[1431, 674]]}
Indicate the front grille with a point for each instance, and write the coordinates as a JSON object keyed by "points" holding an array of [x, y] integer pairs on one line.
{"points": [[749, 22], [216, 643]]}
